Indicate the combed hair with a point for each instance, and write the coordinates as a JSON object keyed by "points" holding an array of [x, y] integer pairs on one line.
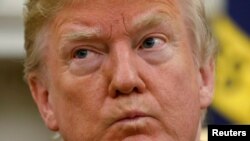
{"points": [[38, 14], [199, 32]]}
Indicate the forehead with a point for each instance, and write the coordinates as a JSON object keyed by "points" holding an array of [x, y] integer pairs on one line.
{"points": [[115, 9], [113, 17], [118, 5]]}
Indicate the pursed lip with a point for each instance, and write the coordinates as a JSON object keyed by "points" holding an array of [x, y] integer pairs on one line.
{"points": [[132, 116]]}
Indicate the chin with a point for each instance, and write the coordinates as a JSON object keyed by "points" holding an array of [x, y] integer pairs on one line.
{"points": [[136, 129], [138, 138]]}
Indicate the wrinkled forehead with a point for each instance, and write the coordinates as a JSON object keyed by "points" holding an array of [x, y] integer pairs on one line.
{"points": [[113, 8], [116, 3], [134, 12]]}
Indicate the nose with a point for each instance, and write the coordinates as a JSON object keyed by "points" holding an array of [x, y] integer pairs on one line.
{"points": [[124, 75]]}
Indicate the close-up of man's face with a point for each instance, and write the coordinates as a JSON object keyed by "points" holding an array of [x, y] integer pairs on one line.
{"points": [[121, 70]]}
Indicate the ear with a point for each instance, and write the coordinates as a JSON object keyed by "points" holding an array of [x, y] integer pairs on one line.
{"points": [[207, 73], [41, 97]]}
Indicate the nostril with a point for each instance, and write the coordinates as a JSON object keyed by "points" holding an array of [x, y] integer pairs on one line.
{"points": [[118, 93], [136, 90], [123, 93]]}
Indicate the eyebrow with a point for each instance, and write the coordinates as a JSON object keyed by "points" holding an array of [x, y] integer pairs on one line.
{"points": [[84, 34], [151, 19]]}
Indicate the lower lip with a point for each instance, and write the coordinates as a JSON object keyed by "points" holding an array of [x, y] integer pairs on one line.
{"points": [[134, 120], [135, 125]]}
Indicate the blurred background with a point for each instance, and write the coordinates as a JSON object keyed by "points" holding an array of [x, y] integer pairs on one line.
{"points": [[19, 117], [231, 28], [229, 20]]}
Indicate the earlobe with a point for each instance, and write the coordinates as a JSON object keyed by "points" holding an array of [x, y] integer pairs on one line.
{"points": [[40, 95], [207, 84]]}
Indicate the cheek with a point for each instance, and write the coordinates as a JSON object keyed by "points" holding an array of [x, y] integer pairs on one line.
{"points": [[178, 89], [177, 92], [177, 80], [78, 100], [80, 93]]}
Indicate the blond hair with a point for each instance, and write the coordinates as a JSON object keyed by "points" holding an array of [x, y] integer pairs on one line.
{"points": [[39, 13]]}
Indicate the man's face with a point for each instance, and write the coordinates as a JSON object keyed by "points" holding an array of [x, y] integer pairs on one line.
{"points": [[121, 71]]}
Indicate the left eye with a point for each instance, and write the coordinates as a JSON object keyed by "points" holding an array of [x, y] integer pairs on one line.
{"points": [[152, 42], [81, 53]]}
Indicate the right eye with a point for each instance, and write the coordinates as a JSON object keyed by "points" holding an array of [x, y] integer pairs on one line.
{"points": [[80, 53], [85, 59], [152, 42]]}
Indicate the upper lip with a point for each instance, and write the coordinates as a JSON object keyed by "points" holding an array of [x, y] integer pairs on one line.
{"points": [[130, 115]]}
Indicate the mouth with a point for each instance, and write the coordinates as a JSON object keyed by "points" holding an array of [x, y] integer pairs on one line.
{"points": [[133, 123], [132, 116]]}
